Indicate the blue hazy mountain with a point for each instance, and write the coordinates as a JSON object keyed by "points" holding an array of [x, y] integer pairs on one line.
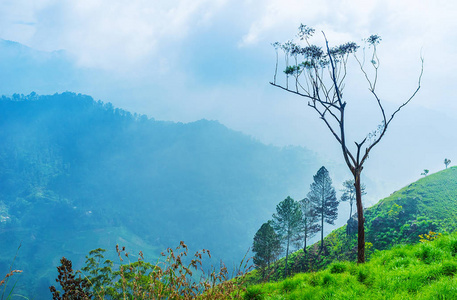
{"points": [[76, 174]]}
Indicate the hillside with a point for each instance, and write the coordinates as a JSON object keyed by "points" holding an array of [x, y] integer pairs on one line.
{"points": [[422, 271], [77, 174], [429, 204]]}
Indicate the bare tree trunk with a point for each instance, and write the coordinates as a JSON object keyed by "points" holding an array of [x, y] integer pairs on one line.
{"points": [[360, 219], [304, 245], [322, 230], [322, 216], [287, 256]]}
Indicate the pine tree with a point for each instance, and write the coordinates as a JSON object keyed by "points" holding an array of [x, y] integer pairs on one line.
{"points": [[349, 193], [266, 247], [322, 195], [286, 222], [309, 223]]}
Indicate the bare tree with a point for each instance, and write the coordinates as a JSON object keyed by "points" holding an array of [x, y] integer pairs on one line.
{"points": [[319, 75]]}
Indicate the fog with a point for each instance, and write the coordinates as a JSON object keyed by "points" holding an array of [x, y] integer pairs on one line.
{"points": [[183, 61]]}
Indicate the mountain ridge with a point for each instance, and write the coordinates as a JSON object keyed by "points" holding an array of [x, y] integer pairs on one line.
{"points": [[72, 166]]}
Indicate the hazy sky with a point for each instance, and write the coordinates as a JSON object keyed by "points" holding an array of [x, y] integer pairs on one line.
{"points": [[186, 60]]}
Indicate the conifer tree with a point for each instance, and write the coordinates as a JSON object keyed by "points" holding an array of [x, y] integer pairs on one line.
{"points": [[309, 223], [266, 247], [286, 222], [322, 196], [349, 193]]}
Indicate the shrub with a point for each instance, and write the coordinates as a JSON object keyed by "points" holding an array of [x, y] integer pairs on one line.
{"points": [[253, 293], [327, 279], [453, 246], [337, 267], [449, 268], [73, 288], [362, 274], [169, 279], [428, 253], [289, 285]]}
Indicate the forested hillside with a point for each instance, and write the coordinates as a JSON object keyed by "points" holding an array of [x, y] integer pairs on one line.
{"points": [[76, 174], [429, 204]]}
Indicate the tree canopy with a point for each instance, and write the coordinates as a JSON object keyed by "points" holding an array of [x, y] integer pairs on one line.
{"points": [[286, 222], [266, 247], [322, 196]]}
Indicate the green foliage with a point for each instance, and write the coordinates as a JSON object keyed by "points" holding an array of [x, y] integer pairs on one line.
{"points": [[422, 208], [322, 197], [253, 293], [421, 271], [174, 277], [287, 223], [266, 247], [337, 267]]}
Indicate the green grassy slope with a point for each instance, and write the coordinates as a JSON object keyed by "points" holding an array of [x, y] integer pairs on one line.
{"points": [[422, 271], [429, 204]]}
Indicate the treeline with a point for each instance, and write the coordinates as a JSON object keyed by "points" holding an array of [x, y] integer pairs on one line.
{"points": [[295, 222], [402, 218]]}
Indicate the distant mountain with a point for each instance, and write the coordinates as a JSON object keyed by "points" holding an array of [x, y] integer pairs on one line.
{"points": [[76, 174], [25, 69]]}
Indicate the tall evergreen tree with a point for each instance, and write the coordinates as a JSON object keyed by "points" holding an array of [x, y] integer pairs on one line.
{"points": [[349, 193], [322, 195], [286, 222], [309, 223], [266, 247]]}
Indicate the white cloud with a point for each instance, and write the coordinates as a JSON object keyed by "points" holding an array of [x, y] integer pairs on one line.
{"points": [[104, 33]]}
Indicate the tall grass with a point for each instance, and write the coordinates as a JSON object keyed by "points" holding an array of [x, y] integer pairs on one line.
{"points": [[177, 276], [7, 293]]}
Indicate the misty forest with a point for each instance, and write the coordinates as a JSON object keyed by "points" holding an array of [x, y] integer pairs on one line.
{"points": [[106, 200]]}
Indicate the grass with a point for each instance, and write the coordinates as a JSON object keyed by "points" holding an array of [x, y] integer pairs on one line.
{"points": [[8, 292], [177, 276], [422, 271], [428, 204]]}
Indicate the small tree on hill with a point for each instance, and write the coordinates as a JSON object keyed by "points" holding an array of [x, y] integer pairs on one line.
{"points": [[266, 247], [309, 224], [286, 222], [349, 193], [447, 162], [322, 197], [318, 74], [425, 173]]}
